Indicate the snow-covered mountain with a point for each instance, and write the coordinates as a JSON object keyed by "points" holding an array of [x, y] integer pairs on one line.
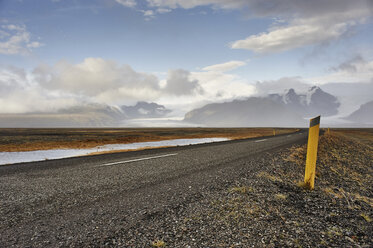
{"points": [[287, 109], [252, 112], [311, 103]]}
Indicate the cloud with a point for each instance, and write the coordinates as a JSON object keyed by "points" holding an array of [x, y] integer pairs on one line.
{"points": [[280, 85], [95, 80], [15, 39], [187, 4], [291, 36], [308, 28], [228, 66], [148, 13], [354, 70], [180, 83], [351, 65], [163, 10], [272, 8], [220, 86], [213, 86], [101, 79], [19, 94], [127, 3], [297, 23]]}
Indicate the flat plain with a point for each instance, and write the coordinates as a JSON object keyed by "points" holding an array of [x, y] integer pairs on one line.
{"points": [[31, 139]]}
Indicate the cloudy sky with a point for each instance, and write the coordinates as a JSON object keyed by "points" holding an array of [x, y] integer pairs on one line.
{"points": [[181, 53]]}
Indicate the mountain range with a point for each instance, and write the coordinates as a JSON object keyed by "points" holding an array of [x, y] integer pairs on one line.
{"points": [[288, 109], [87, 115], [252, 112], [314, 102]]}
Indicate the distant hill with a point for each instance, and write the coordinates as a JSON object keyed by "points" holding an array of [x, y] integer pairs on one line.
{"points": [[314, 102], [145, 110], [363, 115], [252, 112], [89, 115]]}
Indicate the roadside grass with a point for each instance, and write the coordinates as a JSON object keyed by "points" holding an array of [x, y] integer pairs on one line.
{"points": [[341, 158], [280, 196], [158, 243], [366, 217], [242, 189], [266, 175]]}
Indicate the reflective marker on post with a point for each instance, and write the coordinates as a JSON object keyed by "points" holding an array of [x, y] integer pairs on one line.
{"points": [[313, 141]]}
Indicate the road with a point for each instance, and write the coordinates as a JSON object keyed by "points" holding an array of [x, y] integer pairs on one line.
{"points": [[82, 200]]}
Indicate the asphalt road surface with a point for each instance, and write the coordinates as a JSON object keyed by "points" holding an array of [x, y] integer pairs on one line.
{"points": [[80, 201]]}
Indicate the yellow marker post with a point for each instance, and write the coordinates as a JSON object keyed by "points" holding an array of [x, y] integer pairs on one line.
{"points": [[274, 132], [313, 141]]}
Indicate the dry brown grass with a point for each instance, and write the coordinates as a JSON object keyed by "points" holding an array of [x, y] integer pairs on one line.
{"points": [[344, 166], [241, 189], [12, 140], [359, 135], [124, 150], [158, 243]]}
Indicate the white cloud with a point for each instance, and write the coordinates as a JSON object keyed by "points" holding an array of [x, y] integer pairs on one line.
{"points": [[148, 13], [163, 10], [179, 83], [264, 88], [103, 80], [220, 86], [290, 37], [227, 66], [34, 44], [127, 3], [15, 39], [297, 23], [310, 26], [20, 94], [355, 70], [272, 8], [213, 86], [95, 80], [188, 4]]}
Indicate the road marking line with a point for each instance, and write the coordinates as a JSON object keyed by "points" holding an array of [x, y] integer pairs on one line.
{"points": [[138, 159], [289, 135], [260, 140]]}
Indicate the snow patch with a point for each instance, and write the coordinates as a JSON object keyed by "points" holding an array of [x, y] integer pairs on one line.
{"points": [[40, 155]]}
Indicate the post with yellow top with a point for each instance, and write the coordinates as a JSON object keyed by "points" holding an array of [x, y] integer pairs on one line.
{"points": [[313, 141]]}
